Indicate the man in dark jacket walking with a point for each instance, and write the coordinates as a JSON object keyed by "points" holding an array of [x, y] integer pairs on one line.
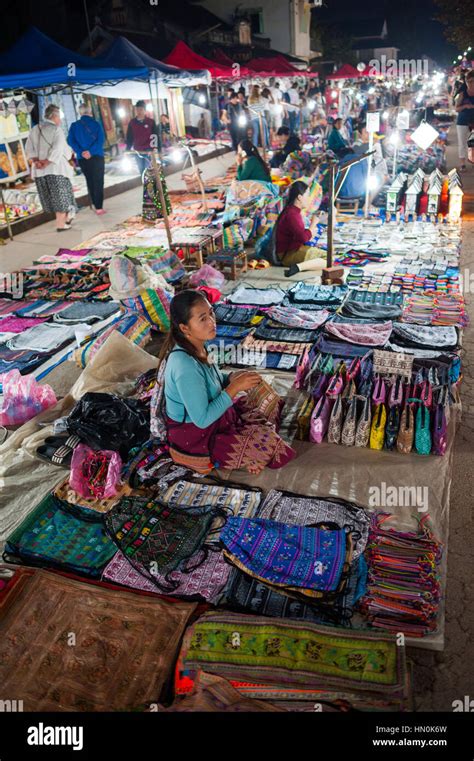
{"points": [[86, 137]]}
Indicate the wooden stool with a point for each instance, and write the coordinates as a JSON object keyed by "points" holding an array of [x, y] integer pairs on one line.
{"points": [[193, 254], [233, 263], [348, 204]]}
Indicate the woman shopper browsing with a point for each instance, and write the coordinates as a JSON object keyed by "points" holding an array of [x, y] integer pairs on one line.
{"points": [[464, 104], [206, 425], [49, 155], [250, 165], [292, 237]]}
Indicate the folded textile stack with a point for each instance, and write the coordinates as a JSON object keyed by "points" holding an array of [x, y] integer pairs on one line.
{"points": [[403, 590], [355, 258], [309, 297], [161, 260], [297, 660], [436, 308], [132, 326]]}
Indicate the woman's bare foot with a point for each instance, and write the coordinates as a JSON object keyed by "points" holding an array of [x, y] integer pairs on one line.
{"points": [[255, 469]]}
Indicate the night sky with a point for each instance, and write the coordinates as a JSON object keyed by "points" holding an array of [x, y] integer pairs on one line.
{"points": [[411, 24]]}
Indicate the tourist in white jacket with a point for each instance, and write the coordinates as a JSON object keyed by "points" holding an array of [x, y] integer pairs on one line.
{"points": [[49, 156]]}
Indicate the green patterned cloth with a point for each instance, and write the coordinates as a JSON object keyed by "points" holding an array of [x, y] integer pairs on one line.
{"points": [[284, 653], [60, 535]]}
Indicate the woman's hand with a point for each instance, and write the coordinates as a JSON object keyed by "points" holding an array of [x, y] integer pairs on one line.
{"points": [[243, 382], [239, 159]]}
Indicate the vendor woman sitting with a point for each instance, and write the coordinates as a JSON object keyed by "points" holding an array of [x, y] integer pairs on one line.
{"points": [[291, 236], [250, 165], [207, 425]]}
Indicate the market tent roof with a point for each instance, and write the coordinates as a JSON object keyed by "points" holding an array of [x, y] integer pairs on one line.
{"points": [[345, 72], [35, 61], [277, 65], [185, 58], [122, 52]]}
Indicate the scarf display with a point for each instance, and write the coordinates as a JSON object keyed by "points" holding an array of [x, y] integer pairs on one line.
{"points": [[298, 318], [376, 334], [404, 581], [436, 309]]}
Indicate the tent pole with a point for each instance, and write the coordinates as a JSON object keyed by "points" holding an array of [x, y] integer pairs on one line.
{"points": [[157, 173]]}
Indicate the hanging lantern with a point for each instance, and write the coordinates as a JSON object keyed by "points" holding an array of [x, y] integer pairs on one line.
{"points": [[424, 135]]}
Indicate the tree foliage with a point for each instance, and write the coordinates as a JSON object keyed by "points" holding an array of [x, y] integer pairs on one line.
{"points": [[457, 16]]}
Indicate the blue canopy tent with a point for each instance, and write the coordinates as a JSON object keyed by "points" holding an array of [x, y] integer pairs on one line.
{"points": [[122, 52], [36, 61]]}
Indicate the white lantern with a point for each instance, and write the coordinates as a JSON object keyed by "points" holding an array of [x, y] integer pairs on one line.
{"points": [[424, 136]]}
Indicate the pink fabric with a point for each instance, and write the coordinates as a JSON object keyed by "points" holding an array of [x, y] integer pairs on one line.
{"points": [[19, 324], [206, 580], [363, 334]]}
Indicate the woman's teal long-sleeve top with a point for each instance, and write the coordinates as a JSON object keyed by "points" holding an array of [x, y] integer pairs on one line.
{"points": [[335, 141], [194, 391], [252, 169]]}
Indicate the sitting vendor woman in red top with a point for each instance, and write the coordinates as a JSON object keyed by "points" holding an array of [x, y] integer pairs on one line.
{"points": [[207, 426], [292, 237]]}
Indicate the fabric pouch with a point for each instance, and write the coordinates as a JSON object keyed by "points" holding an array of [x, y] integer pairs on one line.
{"points": [[335, 423], [303, 420], [320, 420], [422, 430], [406, 430], [377, 431], [440, 438], [391, 430], [363, 426], [349, 428]]}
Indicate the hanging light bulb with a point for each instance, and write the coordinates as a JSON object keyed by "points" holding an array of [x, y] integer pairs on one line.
{"points": [[202, 99], [385, 115], [149, 107], [121, 113], [311, 105], [242, 120], [373, 182], [127, 164], [334, 94], [371, 90], [176, 155]]}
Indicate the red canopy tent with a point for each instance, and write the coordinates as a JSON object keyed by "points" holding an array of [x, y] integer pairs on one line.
{"points": [[277, 66], [184, 58], [345, 72]]}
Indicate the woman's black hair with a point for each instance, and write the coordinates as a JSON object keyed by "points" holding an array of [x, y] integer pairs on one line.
{"points": [[296, 190], [180, 313], [252, 150]]}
